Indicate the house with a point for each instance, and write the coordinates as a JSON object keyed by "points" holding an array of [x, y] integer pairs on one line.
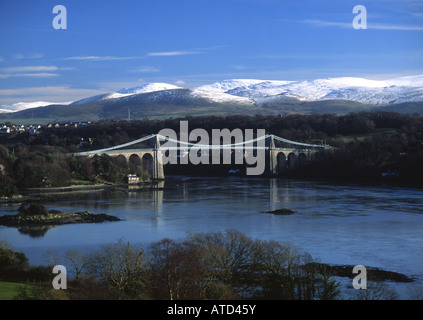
{"points": [[132, 179], [4, 130]]}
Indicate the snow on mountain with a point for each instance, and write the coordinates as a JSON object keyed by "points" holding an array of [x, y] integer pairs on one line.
{"points": [[227, 85], [250, 88], [376, 92], [146, 88], [171, 91], [359, 90], [220, 97], [28, 105], [412, 81], [255, 91]]}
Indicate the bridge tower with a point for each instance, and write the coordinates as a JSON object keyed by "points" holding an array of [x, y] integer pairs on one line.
{"points": [[158, 171], [271, 168]]}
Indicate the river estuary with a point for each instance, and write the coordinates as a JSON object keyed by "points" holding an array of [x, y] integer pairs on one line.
{"points": [[340, 224]]}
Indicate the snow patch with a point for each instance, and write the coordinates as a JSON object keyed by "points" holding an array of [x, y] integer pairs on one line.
{"points": [[219, 97]]}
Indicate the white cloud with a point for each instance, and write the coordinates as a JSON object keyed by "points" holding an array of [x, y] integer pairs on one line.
{"points": [[100, 58], [172, 53], [374, 26], [180, 82], [240, 67], [50, 93], [18, 56], [36, 56], [394, 27], [28, 75], [46, 90], [29, 69], [321, 23], [147, 69]]}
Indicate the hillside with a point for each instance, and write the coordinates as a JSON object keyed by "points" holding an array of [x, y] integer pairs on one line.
{"points": [[139, 108]]}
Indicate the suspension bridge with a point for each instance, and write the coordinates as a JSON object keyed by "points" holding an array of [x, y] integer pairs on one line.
{"points": [[154, 150]]}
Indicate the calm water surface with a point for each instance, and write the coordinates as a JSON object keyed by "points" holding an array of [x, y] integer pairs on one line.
{"points": [[375, 226]]}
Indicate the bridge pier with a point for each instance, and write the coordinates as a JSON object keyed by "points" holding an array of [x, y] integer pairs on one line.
{"points": [[271, 167], [280, 161], [158, 171]]}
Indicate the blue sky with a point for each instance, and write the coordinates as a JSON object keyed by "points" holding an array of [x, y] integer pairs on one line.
{"points": [[109, 45]]}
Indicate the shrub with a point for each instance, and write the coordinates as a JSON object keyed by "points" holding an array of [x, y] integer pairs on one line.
{"points": [[33, 210]]}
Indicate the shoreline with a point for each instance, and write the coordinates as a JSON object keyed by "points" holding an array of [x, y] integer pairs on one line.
{"points": [[40, 194], [44, 193]]}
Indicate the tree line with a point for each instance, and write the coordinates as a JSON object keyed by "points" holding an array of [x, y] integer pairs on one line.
{"points": [[216, 265], [221, 265]]}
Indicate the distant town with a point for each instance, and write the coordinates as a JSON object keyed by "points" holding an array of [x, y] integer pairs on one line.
{"points": [[9, 128]]}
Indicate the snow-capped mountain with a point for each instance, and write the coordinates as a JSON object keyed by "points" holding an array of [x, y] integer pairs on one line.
{"points": [[220, 97], [27, 105], [149, 87], [374, 92], [146, 88], [161, 89], [255, 93]]}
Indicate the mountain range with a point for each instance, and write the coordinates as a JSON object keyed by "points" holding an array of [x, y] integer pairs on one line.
{"points": [[235, 96]]}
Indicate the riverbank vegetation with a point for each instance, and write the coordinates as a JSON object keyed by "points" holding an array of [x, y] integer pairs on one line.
{"points": [[218, 265], [372, 146]]}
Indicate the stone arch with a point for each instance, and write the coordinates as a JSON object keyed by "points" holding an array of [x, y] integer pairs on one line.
{"points": [[302, 158], [281, 162], [121, 160], [148, 164], [292, 161], [134, 163]]}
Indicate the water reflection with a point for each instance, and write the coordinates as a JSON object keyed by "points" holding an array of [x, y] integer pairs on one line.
{"points": [[35, 231], [151, 197]]}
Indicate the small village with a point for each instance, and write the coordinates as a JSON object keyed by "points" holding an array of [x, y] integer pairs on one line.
{"points": [[9, 128]]}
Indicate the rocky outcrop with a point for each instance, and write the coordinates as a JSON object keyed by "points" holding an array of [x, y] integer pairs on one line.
{"points": [[54, 217]]}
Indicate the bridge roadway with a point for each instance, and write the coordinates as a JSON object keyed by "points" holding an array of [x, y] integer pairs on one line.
{"points": [[277, 160]]}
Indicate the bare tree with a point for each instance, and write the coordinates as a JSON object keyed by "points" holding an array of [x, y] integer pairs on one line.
{"points": [[177, 272], [375, 291], [77, 260], [119, 266]]}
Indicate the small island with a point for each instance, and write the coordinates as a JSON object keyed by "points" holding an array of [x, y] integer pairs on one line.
{"points": [[37, 215], [282, 212]]}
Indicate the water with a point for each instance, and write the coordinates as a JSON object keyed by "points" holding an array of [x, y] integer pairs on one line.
{"points": [[374, 226]]}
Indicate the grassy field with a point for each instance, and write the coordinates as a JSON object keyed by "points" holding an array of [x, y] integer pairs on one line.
{"points": [[361, 137], [79, 182], [9, 290]]}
